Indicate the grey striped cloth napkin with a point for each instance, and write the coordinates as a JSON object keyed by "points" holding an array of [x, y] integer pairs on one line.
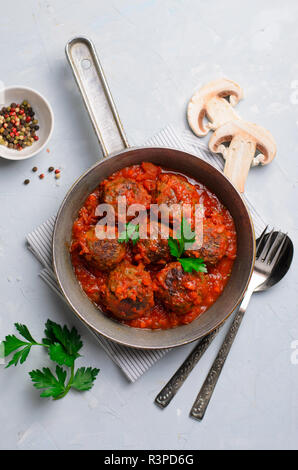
{"points": [[133, 362]]}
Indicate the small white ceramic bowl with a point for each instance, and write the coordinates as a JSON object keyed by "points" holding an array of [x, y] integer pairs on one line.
{"points": [[43, 113]]}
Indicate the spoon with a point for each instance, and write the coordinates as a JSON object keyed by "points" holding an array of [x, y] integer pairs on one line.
{"points": [[270, 251], [281, 268], [168, 392]]}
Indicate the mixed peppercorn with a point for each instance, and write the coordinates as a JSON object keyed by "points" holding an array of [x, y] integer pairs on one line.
{"points": [[57, 173], [18, 126]]}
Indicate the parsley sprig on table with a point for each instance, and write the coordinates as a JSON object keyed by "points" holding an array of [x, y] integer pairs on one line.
{"points": [[131, 232], [63, 346], [177, 248]]}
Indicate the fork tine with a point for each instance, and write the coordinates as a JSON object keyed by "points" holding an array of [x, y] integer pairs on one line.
{"points": [[266, 247], [279, 250], [274, 246], [260, 239]]}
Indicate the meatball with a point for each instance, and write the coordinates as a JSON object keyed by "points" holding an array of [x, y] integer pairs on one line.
{"points": [[134, 192], [178, 290], [215, 243], [129, 292], [153, 250], [105, 253], [175, 189]]}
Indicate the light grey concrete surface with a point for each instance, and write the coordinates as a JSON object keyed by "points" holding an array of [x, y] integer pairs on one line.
{"points": [[155, 54]]}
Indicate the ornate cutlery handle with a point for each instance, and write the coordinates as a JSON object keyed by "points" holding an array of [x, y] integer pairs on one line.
{"points": [[201, 402], [171, 388]]}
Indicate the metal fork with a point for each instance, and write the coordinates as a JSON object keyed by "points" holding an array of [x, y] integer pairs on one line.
{"points": [[267, 256]]}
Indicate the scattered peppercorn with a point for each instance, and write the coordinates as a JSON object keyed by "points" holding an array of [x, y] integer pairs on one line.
{"points": [[41, 176], [51, 168], [57, 176], [57, 171], [34, 169], [18, 126], [26, 181]]}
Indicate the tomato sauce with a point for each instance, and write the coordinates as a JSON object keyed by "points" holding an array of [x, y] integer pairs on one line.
{"points": [[94, 281]]}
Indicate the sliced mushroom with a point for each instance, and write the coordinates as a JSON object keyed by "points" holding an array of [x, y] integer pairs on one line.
{"points": [[245, 138], [210, 101]]}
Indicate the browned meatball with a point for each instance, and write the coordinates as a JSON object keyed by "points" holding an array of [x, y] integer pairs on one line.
{"points": [[175, 189], [215, 243], [134, 192], [178, 290], [129, 292], [104, 254], [153, 250]]}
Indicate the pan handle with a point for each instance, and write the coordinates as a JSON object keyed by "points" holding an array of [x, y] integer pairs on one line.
{"points": [[90, 78]]}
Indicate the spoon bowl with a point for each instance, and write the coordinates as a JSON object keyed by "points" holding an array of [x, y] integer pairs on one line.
{"points": [[272, 249], [281, 268]]}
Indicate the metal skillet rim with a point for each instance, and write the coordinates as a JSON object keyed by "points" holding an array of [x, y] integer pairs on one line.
{"points": [[79, 315]]}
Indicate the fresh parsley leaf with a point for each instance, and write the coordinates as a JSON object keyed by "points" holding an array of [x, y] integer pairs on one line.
{"points": [[84, 378], [58, 354], [181, 246], [12, 343], [24, 354], [45, 379], [131, 232], [123, 237], [177, 246], [135, 236], [185, 230], [63, 344], [19, 356], [190, 264], [23, 330], [174, 247]]}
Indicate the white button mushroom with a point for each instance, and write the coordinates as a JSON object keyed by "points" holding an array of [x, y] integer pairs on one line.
{"points": [[210, 101], [245, 138]]}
